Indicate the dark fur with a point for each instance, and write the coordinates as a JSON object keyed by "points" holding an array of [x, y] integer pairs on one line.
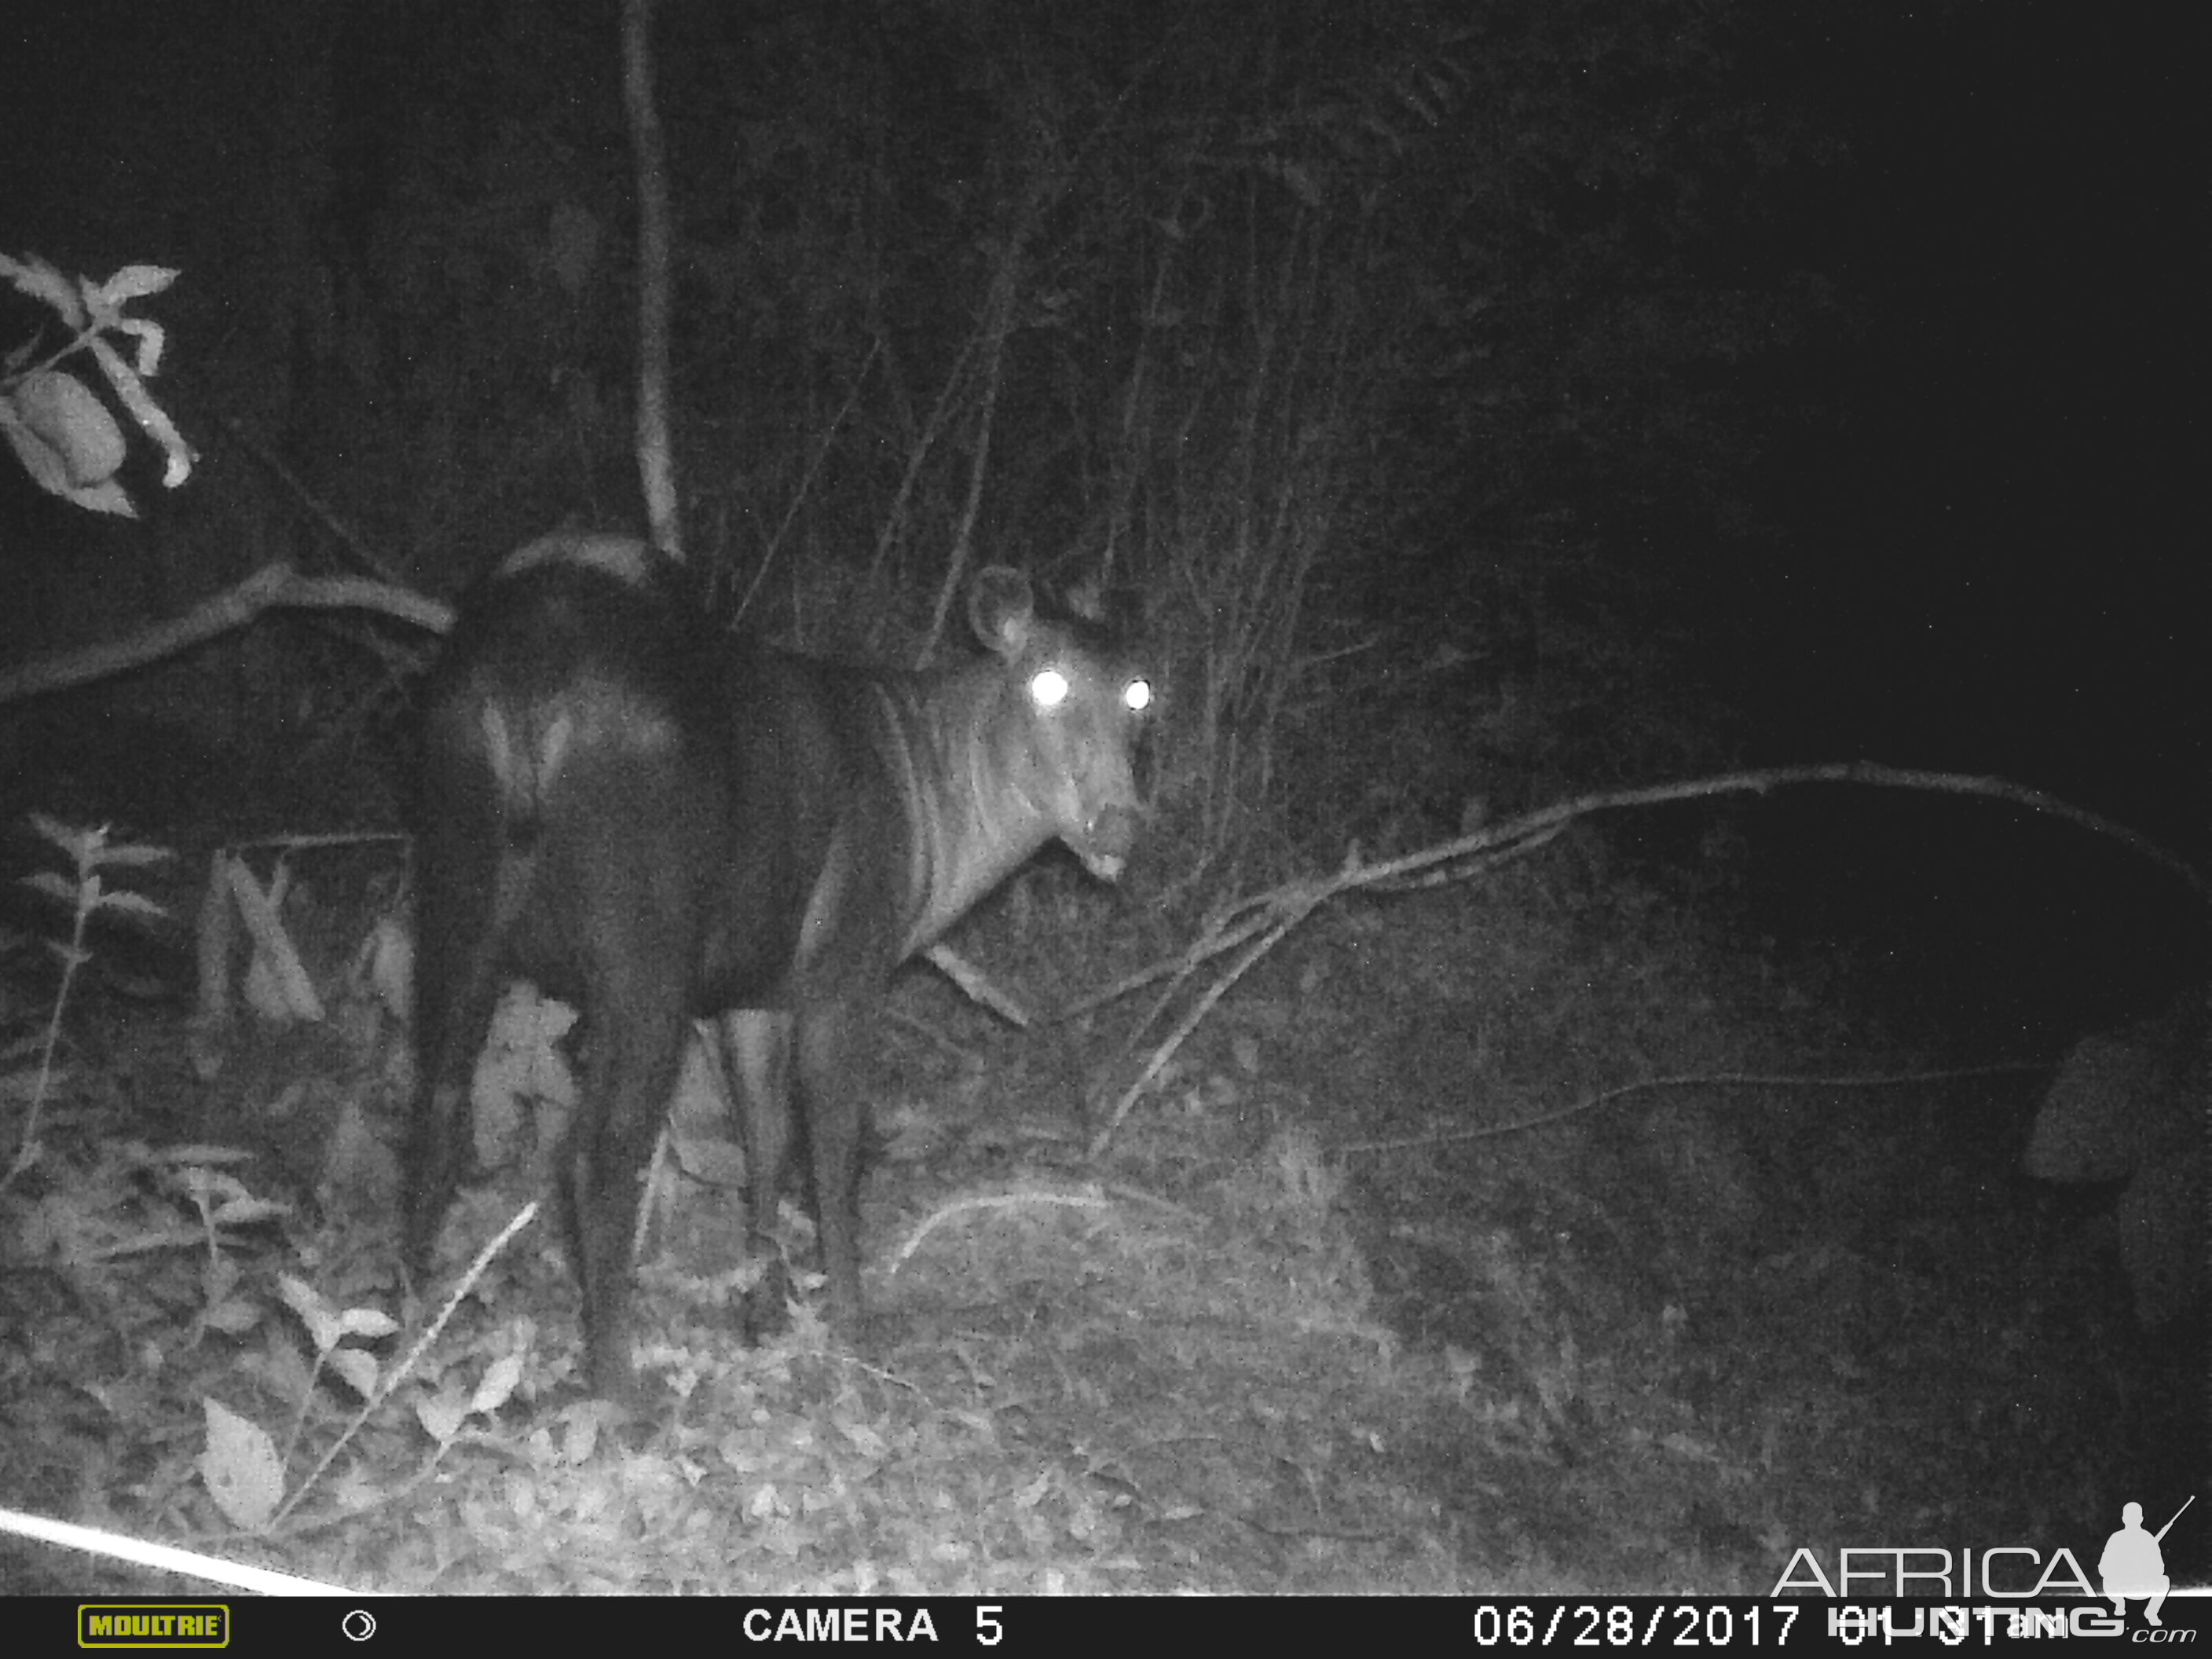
{"points": [[659, 823]]}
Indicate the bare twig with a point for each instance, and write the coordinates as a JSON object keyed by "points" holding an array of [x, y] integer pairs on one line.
{"points": [[1873, 775], [273, 588], [1190, 1022], [1089, 1198], [799, 496], [1696, 1080], [941, 417], [404, 1367], [346, 537], [972, 979], [1268, 917], [999, 314], [295, 841], [656, 460]]}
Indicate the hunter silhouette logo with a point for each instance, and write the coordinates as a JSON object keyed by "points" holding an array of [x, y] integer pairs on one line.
{"points": [[2132, 1565]]}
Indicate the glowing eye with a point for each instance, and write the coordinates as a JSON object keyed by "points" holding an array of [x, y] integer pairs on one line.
{"points": [[1048, 688], [1136, 696]]}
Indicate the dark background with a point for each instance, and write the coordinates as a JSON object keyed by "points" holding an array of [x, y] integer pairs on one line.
{"points": [[1488, 402], [1906, 484], [1607, 391]]}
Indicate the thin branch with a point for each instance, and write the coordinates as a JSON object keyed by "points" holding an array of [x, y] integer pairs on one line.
{"points": [[1089, 1198], [940, 416], [1214, 993], [1271, 915], [656, 460], [273, 588], [806, 481], [977, 984], [1698, 1080], [366, 557], [1000, 321]]}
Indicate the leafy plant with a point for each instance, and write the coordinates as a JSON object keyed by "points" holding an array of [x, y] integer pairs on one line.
{"points": [[87, 892], [60, 430]]}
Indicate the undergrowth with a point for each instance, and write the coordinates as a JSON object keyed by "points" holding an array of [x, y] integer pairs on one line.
{"points": [[1389, 1284]]}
